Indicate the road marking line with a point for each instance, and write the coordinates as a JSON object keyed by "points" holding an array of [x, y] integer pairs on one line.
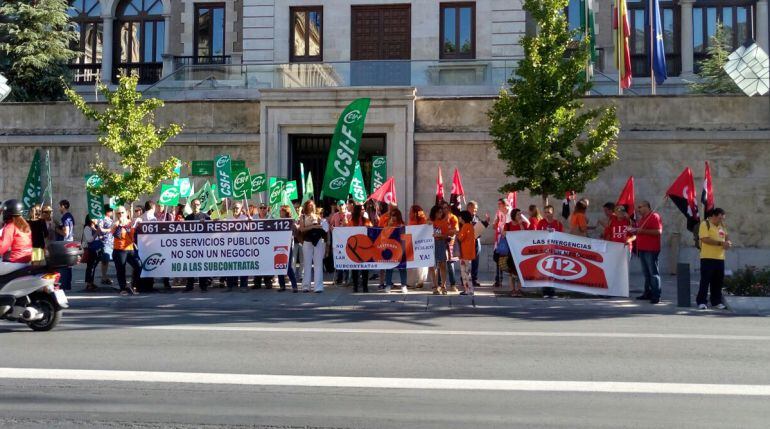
{"points": [[385, 383], [631, 335]]}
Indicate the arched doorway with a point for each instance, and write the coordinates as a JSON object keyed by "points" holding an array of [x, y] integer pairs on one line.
{"points": [[139, 34]]}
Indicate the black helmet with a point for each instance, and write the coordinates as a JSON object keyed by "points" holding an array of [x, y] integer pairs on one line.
{"points": [[12, 208]]}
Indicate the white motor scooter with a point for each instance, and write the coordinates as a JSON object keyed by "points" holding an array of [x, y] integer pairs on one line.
{"points": [[30, 294]]}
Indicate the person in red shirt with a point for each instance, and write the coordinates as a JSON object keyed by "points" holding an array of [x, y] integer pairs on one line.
{"points": [[534, 217], [549, 222], [648, 232], [16, 236], [617, 229]]}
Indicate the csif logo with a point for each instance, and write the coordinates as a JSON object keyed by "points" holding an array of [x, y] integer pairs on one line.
{"points": [[352, 116], [275, 194], [170, 194], [337, 183], [222, 161], [378, 162], [152, 262], [240, 180], [93, 181]]}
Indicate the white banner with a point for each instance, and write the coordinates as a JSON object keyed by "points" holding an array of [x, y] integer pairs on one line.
{"points": [[570, 262], [363, 248], [214, 248]]}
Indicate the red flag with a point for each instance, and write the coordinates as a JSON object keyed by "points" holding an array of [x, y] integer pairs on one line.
{"points": [[439, 187], [386, 193], [622, 50], [627, 197], [682, 193], [707, 196], [457, 188], [512, 200]]}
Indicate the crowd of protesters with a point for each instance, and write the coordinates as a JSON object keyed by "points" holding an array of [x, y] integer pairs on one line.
{"points": [[456, 232]]}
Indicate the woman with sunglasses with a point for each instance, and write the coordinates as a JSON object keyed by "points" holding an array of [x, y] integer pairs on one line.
{"points": [[123, 249]]}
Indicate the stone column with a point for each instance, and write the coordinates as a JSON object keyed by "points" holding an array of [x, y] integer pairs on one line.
{"points": [[107, 42], [687, 38], [168, 59], [762, 36]]}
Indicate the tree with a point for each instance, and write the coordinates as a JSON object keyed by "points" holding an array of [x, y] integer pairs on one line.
{"points": [[713, 78], [35, 40], [126, 127], [551, 144]]}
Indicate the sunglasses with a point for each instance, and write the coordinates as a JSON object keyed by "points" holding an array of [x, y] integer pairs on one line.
{"points": [[263, 208]]}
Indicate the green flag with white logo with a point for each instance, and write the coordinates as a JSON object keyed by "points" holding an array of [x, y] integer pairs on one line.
{"points": [[241, 183], [357, 189], [33, 189], [379, 171], [222, 167], [259, 182], [276, 191], [291, 190], [95, 203], [207, 196], [344, 150], [184, 185], [169, 195]]}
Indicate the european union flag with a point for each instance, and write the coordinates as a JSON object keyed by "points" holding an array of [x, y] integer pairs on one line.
{"points": [[658, 51]]}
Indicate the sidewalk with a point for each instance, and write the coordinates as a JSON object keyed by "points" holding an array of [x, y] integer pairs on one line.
{"points": [[340, 298]]}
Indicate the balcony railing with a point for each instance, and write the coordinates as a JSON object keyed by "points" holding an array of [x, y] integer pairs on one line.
{"points": [[454, 78], [191, 60], [148, 73], [85, 74]]}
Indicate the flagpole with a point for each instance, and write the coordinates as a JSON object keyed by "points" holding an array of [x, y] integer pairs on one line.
{"points": [[48, 174], [618, 54], [652, 50], [586, 35]]}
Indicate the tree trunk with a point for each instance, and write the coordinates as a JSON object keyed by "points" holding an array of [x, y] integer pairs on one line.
{"points": [[545, 200]]}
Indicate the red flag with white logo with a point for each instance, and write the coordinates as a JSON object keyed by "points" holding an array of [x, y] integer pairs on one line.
{"points": [[707, 196], [386, 193], [512, 200], [457, 188], [682, 193], [626, 197], [439, 186]]}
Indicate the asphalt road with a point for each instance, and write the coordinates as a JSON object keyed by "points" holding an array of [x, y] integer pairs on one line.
{"points": [[140, 368]]}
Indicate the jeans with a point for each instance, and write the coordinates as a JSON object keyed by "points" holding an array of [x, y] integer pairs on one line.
{"points": [[66, 278], [363, 275], [121, 258], [313, 258], [290, 274], [93, 260], [712, 276], [389, 276], [450, 270], [651, 273], [475, 263]]}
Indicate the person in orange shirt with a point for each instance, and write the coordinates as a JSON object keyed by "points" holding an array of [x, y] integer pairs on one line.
{"points": [[578, 223], [123, 249], [467, 239], [453, 227]]}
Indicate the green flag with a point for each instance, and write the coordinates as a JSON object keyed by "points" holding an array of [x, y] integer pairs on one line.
{"points": [[286, 201], [308, 193], [259, 182], [357, 188], [241, 183], [379, 171], [207, 196], [222, 166], [169, 195], [95, 203], [291, 190], [276, 191], [344, 149], [184, 185], [33, 189]]}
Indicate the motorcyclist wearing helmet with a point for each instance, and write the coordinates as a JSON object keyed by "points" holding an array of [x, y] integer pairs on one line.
{"points": [[16, 238]]}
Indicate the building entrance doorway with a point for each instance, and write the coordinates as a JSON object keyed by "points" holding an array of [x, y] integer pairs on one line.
{"points": [[312, 150]]}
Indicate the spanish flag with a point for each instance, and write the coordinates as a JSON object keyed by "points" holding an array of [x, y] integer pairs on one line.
{"points": [[622, 52]]}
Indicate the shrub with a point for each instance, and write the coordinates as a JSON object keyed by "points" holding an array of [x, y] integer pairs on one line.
{"points": [[749, 281]]}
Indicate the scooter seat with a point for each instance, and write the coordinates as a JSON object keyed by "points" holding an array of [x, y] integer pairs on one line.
{"points": [[5, 279]]}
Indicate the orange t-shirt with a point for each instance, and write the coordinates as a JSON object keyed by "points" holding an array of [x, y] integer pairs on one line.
{"points": [[123, 240], [467, 237], [578, 223], [383, 220]]}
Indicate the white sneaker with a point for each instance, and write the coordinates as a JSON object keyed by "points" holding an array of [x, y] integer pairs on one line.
{"points": [[387, 289], [702, 307], [720, 306], [404, 289]]}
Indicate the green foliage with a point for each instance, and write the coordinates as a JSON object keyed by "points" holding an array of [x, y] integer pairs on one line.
{"points": [[551, 144], [749, 281], [126, 127], [713, 78], [35, 39]]}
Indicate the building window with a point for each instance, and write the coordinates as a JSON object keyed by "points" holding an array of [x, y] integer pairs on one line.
{"points": [[86, 16], [639, 42], [209, 33], [140, 33], [735, 15], [458, 30], [306, 33], [574, 15]]}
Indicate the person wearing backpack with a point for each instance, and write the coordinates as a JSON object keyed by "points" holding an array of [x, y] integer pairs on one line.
{"points": [[714, 242]]}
